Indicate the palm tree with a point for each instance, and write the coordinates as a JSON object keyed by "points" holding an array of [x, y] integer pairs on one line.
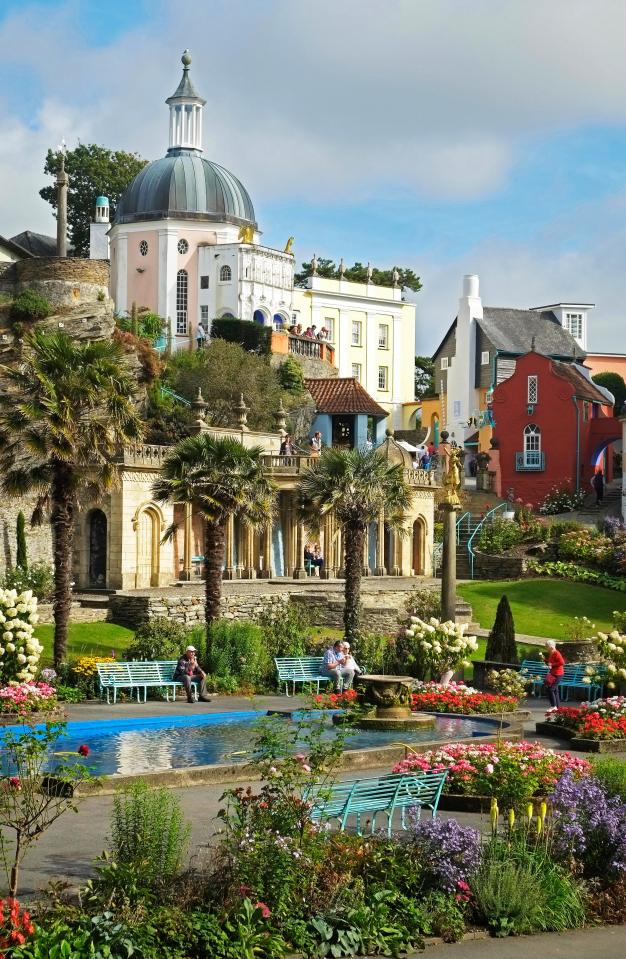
{"points": [[64, 412], [357, 486], [221, 479]]}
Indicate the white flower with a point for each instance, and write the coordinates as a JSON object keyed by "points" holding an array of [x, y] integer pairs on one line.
{"points": [[21, 658], [33, 618], [10, 647], [7, 637]]}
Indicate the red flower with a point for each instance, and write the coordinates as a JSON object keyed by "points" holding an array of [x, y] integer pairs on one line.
{"points": [[266, 912], [16, 782], [83, 750]]}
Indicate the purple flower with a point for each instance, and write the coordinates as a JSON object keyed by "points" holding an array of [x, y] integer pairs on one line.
{"points": [[588, 825], [448, 852]]}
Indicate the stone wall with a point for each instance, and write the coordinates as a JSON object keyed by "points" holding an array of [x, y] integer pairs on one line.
{"points": [[38, 538], [65, 282], [499, 567], [78, 614], [131, 609]]}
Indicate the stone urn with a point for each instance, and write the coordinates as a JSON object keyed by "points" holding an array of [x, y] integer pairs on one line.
{"points": [[390, 699], [578, 651]]}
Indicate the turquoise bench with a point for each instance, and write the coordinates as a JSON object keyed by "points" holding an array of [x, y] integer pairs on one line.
{"points": [[370, 797], [303, 669], [137, 676], [574, 677]]}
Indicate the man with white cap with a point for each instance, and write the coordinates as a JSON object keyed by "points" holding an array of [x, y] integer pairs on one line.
{"points": [[187, 670]]}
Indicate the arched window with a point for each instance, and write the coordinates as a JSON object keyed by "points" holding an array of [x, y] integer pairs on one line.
{"points": [[181, 302], [226, 274], [532, 446]]}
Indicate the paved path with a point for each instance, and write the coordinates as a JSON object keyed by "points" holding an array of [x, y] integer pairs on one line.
{"points": [[607, 942]]}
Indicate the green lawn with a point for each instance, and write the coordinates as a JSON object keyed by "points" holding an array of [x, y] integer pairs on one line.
{"points": [[86, 639], [542, 607]]}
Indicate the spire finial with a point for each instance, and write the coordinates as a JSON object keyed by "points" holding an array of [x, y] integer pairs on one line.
{"points": [[186, 59]]}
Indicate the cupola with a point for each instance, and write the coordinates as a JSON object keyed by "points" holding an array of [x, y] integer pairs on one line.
{"points": [[185, 113]]}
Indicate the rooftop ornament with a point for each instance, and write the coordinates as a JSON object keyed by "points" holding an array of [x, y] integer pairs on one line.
{"points": [[314, 265], [200, 406], [242, 414], [281, 418]]}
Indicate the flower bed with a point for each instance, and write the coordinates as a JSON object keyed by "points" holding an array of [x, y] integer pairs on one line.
{"points": [[467, 701], [512, 772], [601, 721], [577, 574], [23, 699], [345, 700]]}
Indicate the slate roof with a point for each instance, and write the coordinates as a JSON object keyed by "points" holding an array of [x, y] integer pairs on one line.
{"points": [[342, 395], [512, 331], [584, 388], [37, 244], [15, 247]]}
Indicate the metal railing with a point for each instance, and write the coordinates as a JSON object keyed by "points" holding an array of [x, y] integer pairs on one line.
{"points": [[463, 521], [470, 547]]}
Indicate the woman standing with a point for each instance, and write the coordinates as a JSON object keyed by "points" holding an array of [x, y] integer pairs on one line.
{"points": [[556, 663]]}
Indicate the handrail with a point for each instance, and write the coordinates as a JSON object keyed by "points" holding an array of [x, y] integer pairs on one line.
{"points": [[470, 551], [460, 521], [168, 392]]}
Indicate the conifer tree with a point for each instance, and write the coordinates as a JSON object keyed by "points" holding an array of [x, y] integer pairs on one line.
{"points": [[501, 647], [20, 535]]}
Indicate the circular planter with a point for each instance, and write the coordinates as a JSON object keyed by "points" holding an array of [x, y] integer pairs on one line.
{"points": [[32, 719], [483, 666], [578, 652]]}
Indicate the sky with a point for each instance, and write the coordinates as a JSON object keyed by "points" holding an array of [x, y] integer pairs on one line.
{"points": [[449, 136]]}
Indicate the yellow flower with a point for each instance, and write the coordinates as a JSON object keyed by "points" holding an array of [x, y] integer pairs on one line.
{"points": [[511, 818], [539, 825], [543, 810], [529, 811]]}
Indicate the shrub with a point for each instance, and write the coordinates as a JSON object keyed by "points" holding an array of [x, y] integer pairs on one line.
{"points": [[501, 646], [508, 682], [611, 774], [291, 376], [562, 499], [499, 535], [518, 890], [148, 833], [285, 626], [29, 306], [254, 338], [578, 574], [428, 649], [372, 651], [423, 603], [24, 698], [38, 578], [448, 853], [560, 527], [239, 651], [159, 638], [147, 356], [19, 647], [587, 546]]}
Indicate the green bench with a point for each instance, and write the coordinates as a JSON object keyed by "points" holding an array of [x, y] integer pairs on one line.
{"points": [[573, 677], [303, 669], [137, 676], [369, 797]]}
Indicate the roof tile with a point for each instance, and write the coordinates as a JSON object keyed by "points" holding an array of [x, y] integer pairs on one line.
{"points": [[342, 395]]}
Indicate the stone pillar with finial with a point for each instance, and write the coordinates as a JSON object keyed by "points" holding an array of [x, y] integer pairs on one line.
{"points": [[200, 406], [242, 415], [281, 419], [342, 269], [62, 182], [369, 272], [187, 570], [395, 276]]}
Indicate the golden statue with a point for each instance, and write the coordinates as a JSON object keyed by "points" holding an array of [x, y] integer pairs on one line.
{"points": [[288, 245], [452, 478], [246, 234]]}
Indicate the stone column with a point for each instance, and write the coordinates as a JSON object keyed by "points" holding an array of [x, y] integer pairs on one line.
{"points": [[62, 185], [230, 572], [328, 569], [249, 569], [366, 553], [187, 571], [339, 564], [290, 561], [448, 564], [379, 569], [267, 572], [395, 568], [300, 571]]}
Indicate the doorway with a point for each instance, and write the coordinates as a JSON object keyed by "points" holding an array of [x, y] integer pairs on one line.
{"points": [[343, 432], [98, 549], [148, 527], [419, 547]]}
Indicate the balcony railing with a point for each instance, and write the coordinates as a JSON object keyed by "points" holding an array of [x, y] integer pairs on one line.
{"points": [[307, 346], [530, 461], [143, 454], [288, 465]]}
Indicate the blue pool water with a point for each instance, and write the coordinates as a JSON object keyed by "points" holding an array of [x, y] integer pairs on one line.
{"points": [[136, 746]]}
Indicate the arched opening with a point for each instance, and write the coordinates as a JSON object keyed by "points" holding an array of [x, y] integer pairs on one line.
{"points": [[280, 320], [419, 546], [259, 317], [226, 274], [97, 532], [434, 426], [148, 548]]}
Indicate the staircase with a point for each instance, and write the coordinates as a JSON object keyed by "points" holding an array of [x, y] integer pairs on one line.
{"points": [[465, 530]]}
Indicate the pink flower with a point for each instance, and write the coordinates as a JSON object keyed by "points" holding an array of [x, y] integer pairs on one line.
{"points": [[266, 912], [489, 768], [306, 768]]}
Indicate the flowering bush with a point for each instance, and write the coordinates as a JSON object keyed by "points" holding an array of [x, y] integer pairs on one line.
{"points": [[561, 499], [24, 698], [448, 853], [588, 826], [445, 700], [587, 546], [508, 682], [512, 772], [19, 649], [612, 648], [344, 700], [437, 646], [15, 924], [603, 719]]}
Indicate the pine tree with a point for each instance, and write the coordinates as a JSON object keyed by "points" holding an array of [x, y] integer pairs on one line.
{"points": [[501, 647], [20, 535]]}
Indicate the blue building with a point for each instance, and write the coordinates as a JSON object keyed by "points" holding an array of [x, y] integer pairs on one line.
{"points": [[345, 413]]}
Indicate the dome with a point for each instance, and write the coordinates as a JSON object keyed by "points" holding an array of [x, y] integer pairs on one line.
{"points": [[184, 185]]}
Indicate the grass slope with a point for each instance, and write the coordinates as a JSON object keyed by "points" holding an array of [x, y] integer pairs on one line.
{"points": [[543, 607], [86, 639]]}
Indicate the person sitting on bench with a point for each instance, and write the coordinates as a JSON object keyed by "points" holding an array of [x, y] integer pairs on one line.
{"points": [[186, 670]]}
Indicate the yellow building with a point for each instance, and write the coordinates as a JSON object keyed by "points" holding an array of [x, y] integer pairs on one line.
{"points": [[372, 331]]}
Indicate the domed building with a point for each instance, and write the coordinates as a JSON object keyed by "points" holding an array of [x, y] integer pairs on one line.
{"points": [[185, 242]]}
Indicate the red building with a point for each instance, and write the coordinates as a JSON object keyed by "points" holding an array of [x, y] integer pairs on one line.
{"points": [[553, 426]]}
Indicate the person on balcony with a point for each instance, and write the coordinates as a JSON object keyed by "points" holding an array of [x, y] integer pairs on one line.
{"points": [[309, 332], [316, 443], [286, 447]]}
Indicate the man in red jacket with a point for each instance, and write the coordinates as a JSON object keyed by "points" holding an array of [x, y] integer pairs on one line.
{"points": [[556, 663]]}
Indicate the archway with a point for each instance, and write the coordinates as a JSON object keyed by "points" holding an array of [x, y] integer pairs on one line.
{"points": [[419, 546], [97, 532], [148, 552], [434, 426], [259, 317]]}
